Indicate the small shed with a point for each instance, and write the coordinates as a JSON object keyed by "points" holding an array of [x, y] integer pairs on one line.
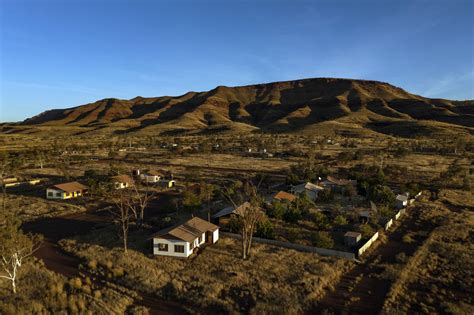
{"points": [[352, 238], [402, 200]]}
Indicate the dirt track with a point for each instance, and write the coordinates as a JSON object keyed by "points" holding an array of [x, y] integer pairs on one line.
{"points": [[54, 229], [362, 290]]}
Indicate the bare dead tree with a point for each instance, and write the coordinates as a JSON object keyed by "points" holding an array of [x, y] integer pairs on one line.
{"points": [[13, 251], [139, 201], [248, 215], [15, 247], [122, 214]]}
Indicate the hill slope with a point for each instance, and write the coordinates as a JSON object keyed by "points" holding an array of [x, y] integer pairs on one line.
{"points": [[302, 105]]}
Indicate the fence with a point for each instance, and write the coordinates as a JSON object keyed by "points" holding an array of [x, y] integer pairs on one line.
{"points": [[397, 216], [399, 213], [367, 244], [302, 248]]}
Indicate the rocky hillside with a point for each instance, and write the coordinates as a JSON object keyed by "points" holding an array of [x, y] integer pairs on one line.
{"points": [[308, 105]]}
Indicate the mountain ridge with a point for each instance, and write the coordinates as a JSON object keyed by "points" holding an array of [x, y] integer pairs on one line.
{"points": [[303, 105]]}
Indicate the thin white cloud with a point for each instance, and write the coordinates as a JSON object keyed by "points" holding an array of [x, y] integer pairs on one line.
{"points": [[449, 83]]}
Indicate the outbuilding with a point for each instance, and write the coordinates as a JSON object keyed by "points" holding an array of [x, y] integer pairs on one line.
{"points": [[352, 238], [122, 181], [151, 177], [402, 200]]}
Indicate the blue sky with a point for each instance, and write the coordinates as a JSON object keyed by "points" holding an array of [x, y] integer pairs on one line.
{"points": [[59, 54]]}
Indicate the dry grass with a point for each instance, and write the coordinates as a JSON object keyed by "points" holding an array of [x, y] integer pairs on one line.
{"points": [[41, 291], [273, 280], [30, 207], [439, 277], [458, 198]]}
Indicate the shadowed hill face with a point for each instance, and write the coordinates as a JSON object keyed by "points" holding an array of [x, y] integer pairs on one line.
{"points": [[300, 105]]}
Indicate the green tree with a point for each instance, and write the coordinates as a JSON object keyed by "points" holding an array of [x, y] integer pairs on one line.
{"points": [[292, 215], [382, 194], [366, 230], [265, 229], [277, 210], [191, 201], [320, 220], [322, 239]]}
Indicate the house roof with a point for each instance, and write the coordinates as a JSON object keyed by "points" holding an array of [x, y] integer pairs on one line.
{"points": [[232, 209], [201, 225], [9, 180], [307, 186], [352, 234], [283, 195], [402, 197], [70, 187], [188, 231], [123, 179]]}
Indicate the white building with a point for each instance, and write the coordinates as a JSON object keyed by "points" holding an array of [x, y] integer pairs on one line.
{"points": [[184, 239], [310, 189], [66, 191], [167, 183], [122, 181], [151, 178], [402, 200]]}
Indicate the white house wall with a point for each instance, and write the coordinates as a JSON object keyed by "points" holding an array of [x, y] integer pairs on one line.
{"points": [[215, 236], [63, 195], [171, 244]]}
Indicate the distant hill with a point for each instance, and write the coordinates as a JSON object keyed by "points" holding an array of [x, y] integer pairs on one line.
{"points": [[308, 105]]}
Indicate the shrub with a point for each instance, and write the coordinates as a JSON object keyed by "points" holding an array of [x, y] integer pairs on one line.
{"points": [[277, 210], [322, 239], [92, 264], [76, 283], [118, 272], [407, 238], [340, 220], [401, 258], [86, 289], [303, 204], [109, 264], [366, 230], [169, 290], [265, 230], [97, 294], [292, 235], [292, 215], [320, 220]]}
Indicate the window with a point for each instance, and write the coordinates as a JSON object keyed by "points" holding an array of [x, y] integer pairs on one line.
{"points": [[50, 194], [58, 194], [179, 248], [162, 247], [191, 245]]}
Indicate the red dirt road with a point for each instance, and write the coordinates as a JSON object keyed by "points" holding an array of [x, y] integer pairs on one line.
{"points": [[54, 229], [362, 290]]}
